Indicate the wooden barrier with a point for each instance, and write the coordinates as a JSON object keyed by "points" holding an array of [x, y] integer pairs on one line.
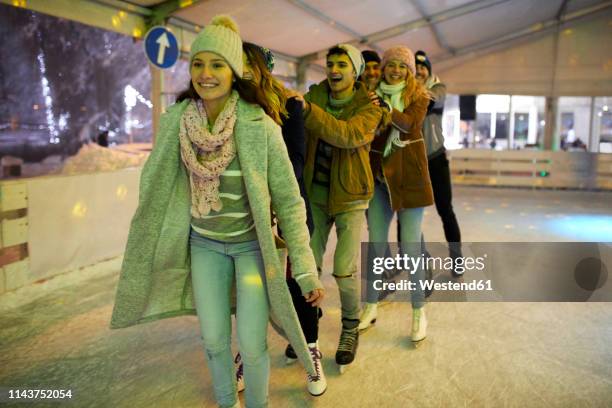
{"points": [[529, 168], [14, 261]]}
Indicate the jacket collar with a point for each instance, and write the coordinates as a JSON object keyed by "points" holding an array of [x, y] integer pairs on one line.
{"points": [[320, 93], [248, 111], [248, 134]]}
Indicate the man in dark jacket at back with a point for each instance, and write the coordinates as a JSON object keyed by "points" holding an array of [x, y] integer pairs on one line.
{"points": [[436, 154]]}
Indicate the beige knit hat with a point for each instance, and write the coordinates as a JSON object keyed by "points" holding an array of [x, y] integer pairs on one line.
{"points": [[222, 37]]}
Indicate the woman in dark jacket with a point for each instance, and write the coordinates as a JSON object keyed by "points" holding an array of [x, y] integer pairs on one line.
{"points": [[258, 66]]}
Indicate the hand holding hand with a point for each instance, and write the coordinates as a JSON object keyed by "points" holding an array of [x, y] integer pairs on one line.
{"points": [[374, 98], [315, 297]]}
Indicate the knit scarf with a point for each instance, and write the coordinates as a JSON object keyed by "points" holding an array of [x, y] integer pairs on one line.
{"points": [[393, 96], [336, 106], [206, 154]]}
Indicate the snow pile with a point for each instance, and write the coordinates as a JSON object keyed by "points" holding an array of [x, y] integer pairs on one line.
{"points": [[92, 158]]}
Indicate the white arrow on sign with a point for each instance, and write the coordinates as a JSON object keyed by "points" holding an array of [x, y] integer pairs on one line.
{"points": [[163, 44]]}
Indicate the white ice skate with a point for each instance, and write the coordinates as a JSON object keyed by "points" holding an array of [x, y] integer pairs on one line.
{"points": [[368, 316], [419, 326], [316, 384]]}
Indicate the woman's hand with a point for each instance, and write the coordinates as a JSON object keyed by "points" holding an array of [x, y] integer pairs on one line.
{"points": [[315, 297], [378, 101], [374, 98]]}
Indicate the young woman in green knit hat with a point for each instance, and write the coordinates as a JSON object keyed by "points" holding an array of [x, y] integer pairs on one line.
{"points": [[203, 230]]}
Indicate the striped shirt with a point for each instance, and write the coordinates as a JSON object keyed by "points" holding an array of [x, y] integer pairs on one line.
{"points": [[322, 165], [324, 153], [234, 222]]}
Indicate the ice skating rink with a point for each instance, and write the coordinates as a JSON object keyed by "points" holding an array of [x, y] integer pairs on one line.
{"points": [[55, 335]]}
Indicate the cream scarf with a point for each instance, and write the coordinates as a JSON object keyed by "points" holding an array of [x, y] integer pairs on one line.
{"points": [[206, 154], [393, 96]]}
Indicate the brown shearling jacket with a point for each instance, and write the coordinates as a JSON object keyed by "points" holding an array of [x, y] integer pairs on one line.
{"points": [[405, 170]]}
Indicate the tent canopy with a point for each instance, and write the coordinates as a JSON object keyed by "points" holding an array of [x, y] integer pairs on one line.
{"points": [[521, 47], [446, 29]]}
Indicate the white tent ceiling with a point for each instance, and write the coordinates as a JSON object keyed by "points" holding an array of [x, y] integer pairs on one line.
{"points": [[446, 29]]}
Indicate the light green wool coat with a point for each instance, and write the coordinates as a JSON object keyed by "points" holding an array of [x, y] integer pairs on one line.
{"points": [[155, 281]]}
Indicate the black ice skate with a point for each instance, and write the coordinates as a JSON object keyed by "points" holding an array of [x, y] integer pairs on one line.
{"points": [[349, 340], [290, 356]]}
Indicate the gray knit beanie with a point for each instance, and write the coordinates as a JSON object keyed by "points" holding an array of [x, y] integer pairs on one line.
{"points": [[355, 57], [222, 37]]}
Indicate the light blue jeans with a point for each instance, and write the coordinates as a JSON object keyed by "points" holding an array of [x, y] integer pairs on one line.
{"points": [[380, 215], [214, 265]]}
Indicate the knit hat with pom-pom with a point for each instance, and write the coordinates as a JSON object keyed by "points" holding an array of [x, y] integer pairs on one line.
{"points": [[400, 53], [421, 59], [222, 37]]}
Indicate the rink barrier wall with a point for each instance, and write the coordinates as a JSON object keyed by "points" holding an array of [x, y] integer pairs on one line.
{"points": [[527, 168], [56, 224]]}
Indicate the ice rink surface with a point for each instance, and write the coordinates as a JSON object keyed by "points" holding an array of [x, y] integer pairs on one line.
{"points": [[55, 335]]}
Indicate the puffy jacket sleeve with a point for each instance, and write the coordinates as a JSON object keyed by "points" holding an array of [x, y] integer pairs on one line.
{"points": [[410, 121], [291, 213], [358, 131]]}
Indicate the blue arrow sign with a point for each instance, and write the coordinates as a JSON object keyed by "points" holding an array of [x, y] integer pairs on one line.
{"points": [[161, 47]]}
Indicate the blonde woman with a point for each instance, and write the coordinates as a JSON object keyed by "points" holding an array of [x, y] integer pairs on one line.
{"points": [[402, 184]]}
